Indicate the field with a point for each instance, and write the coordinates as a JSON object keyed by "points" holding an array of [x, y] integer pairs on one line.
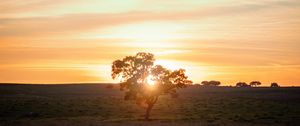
{"points": [[95, 104]]}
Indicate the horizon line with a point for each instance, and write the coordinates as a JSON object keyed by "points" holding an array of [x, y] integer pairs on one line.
{"points": [[78, 83]]}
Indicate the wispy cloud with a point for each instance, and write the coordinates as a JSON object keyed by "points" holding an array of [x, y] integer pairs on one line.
{"points": [[73, 22]]}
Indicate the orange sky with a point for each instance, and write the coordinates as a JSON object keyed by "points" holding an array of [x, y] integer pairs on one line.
{"points": [[45, 41]]}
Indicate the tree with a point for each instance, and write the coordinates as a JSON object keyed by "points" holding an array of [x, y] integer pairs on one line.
{"points": [[242, 84], [274, 84], [136, 73], [255, 83], [211, 83], [205, 83], [214, 83]]}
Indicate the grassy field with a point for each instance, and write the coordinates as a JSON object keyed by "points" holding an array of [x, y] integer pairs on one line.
{"points": [[92, 105]]}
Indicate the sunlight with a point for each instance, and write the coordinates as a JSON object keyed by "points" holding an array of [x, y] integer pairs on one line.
{"points": [[100, 72], [150, 81], [147, 35], [173, 65], [195, 71]]}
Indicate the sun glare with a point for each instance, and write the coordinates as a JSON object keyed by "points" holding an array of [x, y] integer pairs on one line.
{"points": [[173, 65], [194, 71], [150, 81], [146, 35]]}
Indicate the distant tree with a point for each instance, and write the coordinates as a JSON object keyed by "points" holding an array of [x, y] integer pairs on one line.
{"points": [[205, 83], [255, 83], [135, 72], [242, 84], [211, 83], [274, 84], [214, 83]]}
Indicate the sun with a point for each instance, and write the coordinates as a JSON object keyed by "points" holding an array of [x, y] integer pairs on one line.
{"points": [[150, 81]]}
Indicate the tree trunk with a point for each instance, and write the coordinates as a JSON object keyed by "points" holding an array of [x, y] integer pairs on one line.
{"points": [[148, 111], [150, 106]]}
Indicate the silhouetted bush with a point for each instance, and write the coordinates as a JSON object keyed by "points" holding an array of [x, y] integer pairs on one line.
{"points": [[255, 83], [242, 84], [211, 83], [274, 84]]}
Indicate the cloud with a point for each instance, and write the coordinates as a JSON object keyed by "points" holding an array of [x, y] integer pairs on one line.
{"points": [[19, 6], [80, 22]]}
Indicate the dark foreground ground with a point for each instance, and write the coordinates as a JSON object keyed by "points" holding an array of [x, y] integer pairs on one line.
{"points": [[93, 105]]}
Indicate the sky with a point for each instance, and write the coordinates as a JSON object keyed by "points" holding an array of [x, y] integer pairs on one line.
{"points": [[76, 41]]}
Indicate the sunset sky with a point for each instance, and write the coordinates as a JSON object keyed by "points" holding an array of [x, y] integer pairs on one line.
{"points": [[48, 41]]}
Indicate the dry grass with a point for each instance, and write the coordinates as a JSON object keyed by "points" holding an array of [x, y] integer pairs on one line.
{"points": [[79, 105]]}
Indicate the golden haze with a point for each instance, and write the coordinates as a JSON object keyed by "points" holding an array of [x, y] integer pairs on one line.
{"points": [[225, 40]]}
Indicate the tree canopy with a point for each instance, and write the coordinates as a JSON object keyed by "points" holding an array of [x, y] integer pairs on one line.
{"points": [[255, 83], [211, 83], [242, 84], [274, 84]]}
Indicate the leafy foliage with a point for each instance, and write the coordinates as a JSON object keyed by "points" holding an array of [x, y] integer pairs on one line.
{"points": [[242, 84], [255, 83], [274, 84], [211, 83]]}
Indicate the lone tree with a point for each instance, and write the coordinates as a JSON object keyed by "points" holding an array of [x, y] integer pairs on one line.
{"points": [[274, 84], [255, 83], [211, 83], [242, 84], [144, 82]]}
